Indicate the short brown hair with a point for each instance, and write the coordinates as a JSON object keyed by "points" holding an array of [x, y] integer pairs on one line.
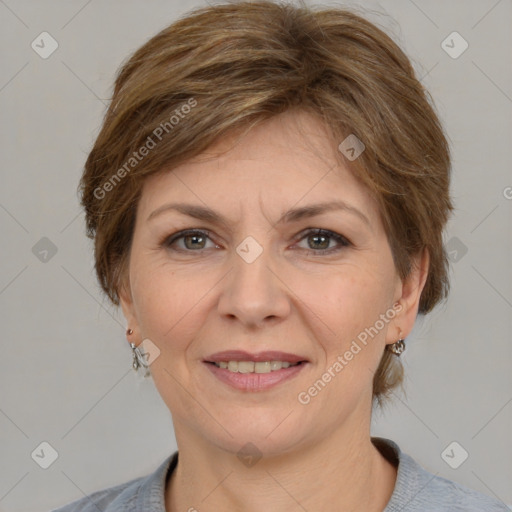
{"points": [[229, 66]]}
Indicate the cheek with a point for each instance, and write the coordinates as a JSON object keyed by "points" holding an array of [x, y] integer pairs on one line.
{"points": [[160, 300], [347, 301], [352, 333]]}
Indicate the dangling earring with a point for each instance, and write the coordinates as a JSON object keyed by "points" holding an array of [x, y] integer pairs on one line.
{"points": [[138, 358], [398, 347]]}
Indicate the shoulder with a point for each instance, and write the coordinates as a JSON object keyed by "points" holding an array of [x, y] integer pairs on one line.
{"points": [[442, 494], [418, 490], [142, 493], [109, 499]]}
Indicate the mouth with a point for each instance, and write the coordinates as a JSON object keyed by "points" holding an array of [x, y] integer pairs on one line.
{"points": [[254, 366], [254, 372]]}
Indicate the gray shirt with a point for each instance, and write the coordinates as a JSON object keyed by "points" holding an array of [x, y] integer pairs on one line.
{"points": [[416, 490]]}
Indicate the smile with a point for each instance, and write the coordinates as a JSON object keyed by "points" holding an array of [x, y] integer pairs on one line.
{"points": [[255, 371], [254, 367], [254, 376]]}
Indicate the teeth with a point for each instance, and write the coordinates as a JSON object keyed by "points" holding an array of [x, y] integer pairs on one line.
{"points": [[276, 365], [254, 367], [245, 366], [262, 367]]}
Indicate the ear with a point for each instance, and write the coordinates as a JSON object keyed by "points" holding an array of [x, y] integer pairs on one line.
{"points": [[126, 302], [408, 293]]}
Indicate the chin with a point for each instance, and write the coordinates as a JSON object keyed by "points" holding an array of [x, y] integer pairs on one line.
{"points": [[267, 434]]}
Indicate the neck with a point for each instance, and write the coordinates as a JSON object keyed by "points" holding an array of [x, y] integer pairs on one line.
{"points": [[344, 472]]}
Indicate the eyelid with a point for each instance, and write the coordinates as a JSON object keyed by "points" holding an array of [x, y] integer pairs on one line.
{"points": [[322, 231], [170, 239], [341, 240]]}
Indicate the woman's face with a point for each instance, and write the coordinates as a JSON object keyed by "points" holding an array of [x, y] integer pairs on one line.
{"points": [[258, 282]]}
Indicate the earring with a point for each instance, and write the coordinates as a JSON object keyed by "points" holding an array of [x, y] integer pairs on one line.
{"points": [[138, 357], [398, 347]]}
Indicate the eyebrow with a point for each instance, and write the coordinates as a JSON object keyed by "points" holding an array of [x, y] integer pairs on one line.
{"points": [[293, 215]]}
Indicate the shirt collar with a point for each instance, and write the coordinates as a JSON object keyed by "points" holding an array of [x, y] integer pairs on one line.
{"points": [[151, 493]]}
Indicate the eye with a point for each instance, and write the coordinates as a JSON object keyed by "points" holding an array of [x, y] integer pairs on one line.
{"points": [[321, 239], [194, 240]]}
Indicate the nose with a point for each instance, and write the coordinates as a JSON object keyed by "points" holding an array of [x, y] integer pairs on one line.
{"points": [[253, 292]]}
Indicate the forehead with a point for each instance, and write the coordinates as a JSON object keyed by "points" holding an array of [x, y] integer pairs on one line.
{"points": [[287, 161]]}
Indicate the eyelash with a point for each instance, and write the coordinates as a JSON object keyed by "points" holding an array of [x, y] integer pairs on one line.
{"points": [[168, 241]]}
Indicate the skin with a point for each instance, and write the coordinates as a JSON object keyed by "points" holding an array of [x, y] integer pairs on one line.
{"points": [[202, 297]]}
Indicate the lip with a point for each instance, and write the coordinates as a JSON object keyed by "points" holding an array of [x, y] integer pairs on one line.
{"points": [[254, 382], [267, 355]]}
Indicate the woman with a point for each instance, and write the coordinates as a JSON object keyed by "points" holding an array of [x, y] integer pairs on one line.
{"points": [[267, 197]]}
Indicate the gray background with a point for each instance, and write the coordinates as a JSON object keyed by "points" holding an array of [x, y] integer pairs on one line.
{"points": [[65, 374]]}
